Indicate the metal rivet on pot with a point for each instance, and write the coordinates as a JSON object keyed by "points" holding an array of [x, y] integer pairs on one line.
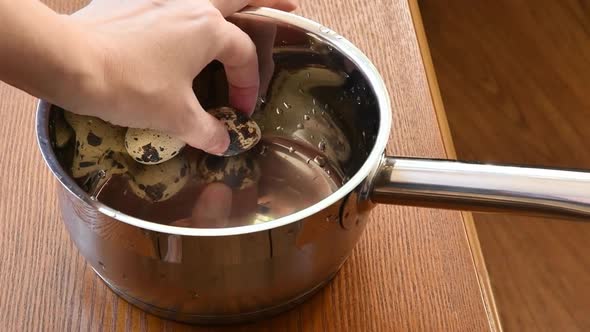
{"points": [[349, 211]]}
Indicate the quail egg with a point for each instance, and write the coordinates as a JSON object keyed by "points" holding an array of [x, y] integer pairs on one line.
{"points": [[157, 183], [238, 172], [244, 132], [151, 147], [63, 133], [98, 146]]}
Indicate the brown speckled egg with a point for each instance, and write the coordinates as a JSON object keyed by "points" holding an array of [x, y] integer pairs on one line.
{"points": [[96, 133], [244, 133], [157, 183], [151, 147], [99, 146], [237, 172], [63, 133]]}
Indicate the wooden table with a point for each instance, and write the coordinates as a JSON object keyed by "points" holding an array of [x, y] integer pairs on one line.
{"points": [[414, 270]]}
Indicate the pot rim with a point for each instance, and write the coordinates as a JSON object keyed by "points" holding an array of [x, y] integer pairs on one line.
{"points": [[327, 35]]}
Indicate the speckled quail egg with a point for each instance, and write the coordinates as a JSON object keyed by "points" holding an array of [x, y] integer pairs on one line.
{"points": [[244, 132], [99, 146], [237, 172], [157, 183], [151, 147], [96, 132], [63, 133]]}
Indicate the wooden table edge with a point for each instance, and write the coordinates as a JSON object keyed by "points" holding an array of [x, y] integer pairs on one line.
{"points": [[468, 222]]}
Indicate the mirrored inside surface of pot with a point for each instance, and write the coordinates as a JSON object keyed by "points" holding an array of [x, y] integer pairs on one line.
{"points": [[319, 121]]}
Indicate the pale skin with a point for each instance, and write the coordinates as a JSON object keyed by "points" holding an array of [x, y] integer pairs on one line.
{"points": [[132, 63]]}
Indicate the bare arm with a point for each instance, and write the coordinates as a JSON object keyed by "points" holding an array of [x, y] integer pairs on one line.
{"points": [[42, 53]]}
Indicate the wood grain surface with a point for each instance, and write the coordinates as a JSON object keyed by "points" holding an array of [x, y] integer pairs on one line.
{"points": [[412, 271], [514, 76], [485, 285]]}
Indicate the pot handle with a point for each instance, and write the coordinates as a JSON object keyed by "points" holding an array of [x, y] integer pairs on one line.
{"points": [[456, 185]]}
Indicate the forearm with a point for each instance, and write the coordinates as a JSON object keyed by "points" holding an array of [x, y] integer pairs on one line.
{"points": [[42, 52]]}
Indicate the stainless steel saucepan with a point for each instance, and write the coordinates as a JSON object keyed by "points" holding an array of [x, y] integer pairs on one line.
{"points": [[235, 274]]}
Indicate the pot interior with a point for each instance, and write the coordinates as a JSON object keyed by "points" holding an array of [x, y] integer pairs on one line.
{"points": [[320, 119]]}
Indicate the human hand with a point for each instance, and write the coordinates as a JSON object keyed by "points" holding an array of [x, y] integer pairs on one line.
{"points": [[148, 54]]}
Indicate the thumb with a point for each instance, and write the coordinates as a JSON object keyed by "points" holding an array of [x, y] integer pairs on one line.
{"points": [[202, 130]]}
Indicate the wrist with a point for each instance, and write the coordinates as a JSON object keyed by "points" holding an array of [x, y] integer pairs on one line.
{"points": [[47, 54], [79, 75]]}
